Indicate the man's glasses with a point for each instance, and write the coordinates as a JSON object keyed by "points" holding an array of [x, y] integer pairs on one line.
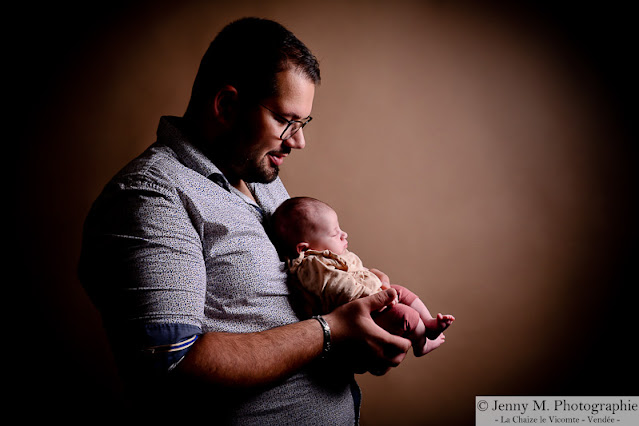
{"points": [[292, 126]]}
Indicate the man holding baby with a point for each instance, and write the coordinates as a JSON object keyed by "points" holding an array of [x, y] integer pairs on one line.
{"points": [[177, 257]]}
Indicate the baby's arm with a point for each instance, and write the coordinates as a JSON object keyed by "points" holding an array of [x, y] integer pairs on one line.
{"points": [[332, 284], [382, 277]]}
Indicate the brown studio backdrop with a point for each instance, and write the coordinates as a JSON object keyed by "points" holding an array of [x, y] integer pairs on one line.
{"points": [[475, 155]]}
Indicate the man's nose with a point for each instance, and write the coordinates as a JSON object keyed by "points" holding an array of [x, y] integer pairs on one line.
{"points": [[296, 141]]}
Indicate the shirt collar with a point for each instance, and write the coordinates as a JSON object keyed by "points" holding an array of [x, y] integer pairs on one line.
{"points": [[171, 134]]}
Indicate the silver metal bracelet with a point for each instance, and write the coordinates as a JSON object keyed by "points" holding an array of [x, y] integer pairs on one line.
{"points": [[327, 335]]}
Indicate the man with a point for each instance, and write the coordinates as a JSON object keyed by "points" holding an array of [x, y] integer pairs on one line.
{"points": [[177, 257]]}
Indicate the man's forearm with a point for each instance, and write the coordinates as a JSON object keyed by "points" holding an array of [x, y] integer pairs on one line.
{"points": [[253, 359], [257, 359]]}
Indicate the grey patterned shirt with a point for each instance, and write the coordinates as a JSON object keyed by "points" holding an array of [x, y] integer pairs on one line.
{"points": [[171, 250]]}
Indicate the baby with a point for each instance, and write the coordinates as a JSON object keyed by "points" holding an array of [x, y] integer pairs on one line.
{"points": [[307, 234]]}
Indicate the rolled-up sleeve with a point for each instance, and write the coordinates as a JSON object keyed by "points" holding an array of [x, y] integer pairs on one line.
{"points": [[143, 267]]}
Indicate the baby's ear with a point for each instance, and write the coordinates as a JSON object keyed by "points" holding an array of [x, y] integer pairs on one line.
{"points": [[303, 246]]}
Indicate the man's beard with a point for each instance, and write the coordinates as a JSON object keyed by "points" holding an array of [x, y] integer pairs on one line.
{"points": [[257, 166], [239, 157], [259, 170]]}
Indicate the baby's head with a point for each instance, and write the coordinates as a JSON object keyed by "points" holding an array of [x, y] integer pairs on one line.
{"points": [[303, 223]]}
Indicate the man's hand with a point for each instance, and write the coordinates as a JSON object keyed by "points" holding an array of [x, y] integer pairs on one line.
{"points": [[361, 341]]}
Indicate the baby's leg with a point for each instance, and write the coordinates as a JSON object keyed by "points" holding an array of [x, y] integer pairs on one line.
{"points": [[429, 345], [401, 320], [434, 326]]}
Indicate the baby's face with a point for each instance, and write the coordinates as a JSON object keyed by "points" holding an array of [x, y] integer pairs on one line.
{"points": [[328, 235]]}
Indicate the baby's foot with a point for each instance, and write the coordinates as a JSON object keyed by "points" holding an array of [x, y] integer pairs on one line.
{"points": [[430, 345], [435, 326]]}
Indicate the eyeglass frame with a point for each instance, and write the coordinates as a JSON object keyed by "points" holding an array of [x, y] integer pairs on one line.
{"points": [[289, 123]]}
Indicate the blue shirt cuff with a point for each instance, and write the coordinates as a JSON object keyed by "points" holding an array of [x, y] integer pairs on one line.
{"points": [[167, 344], [152, 350]]}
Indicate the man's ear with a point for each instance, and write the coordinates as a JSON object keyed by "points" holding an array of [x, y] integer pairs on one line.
{"points": [[302, 247], [225, 104]]}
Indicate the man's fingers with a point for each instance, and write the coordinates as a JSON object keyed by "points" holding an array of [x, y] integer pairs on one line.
{"points": [[382, 299], [395, 351], [377, 350]]}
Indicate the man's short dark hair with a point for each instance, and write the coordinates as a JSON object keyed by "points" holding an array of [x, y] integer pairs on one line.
{"points": [[247, 54]]}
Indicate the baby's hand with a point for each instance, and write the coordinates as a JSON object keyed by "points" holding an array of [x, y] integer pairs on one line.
{"points": [[382, 277]]}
